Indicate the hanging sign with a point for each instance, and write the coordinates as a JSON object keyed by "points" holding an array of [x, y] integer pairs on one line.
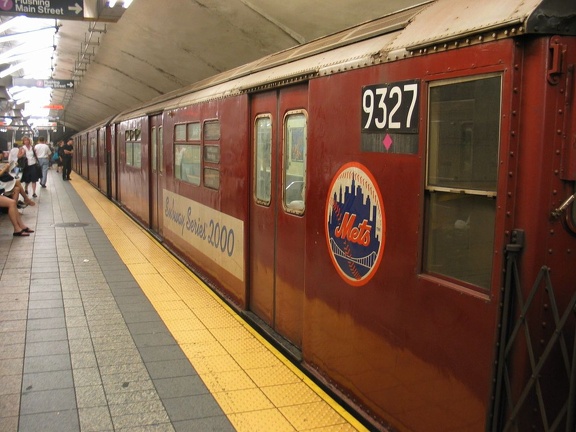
{"points": [[71, 9]]}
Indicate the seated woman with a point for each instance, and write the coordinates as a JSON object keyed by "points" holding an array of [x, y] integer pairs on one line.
{"points": [[20, 229], [12, 188]]}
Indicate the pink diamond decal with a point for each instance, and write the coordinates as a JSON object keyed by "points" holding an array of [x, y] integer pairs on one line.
{"points": [[387, 142]]}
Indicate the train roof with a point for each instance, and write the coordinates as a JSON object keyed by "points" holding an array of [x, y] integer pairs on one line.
{"points": [[437, 24]]}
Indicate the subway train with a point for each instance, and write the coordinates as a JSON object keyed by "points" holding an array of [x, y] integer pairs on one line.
{"points": [[392, 205]]}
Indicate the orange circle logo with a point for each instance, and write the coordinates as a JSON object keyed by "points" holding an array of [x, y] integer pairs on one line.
{"points": [[355, 224]]}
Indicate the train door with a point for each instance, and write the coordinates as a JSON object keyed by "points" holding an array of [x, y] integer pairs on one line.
{"points": [[102, 165], [114, 160], [156, 173], [277, 221]]}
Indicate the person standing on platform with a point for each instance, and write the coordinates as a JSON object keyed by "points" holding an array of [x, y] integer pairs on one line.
{"points": [[31, 173], [58, 153], [66, 152], [43, 154], [15, 153]]}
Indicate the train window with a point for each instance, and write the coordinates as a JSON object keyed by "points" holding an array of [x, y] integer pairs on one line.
{"points": [[161, 145], [573, 211], [212, 178], [212, 130], [137, 155], [188, 155], [193, 131], [295, 141], [463, 142], [212, 153], [134, 154], [180, 132], [262, 158], [129, 153], [187, 163], [154, 144]]}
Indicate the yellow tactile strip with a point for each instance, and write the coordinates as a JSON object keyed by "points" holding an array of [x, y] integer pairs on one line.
{"points": [[256, 386]]}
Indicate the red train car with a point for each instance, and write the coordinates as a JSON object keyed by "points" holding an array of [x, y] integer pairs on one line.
{"points": [[393, 204]]}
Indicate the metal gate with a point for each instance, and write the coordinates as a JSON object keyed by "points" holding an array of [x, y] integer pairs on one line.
{"points": [[533, 405]]}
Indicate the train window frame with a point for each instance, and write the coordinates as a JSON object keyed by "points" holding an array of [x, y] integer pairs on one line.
{"points": [[133, 147], [211, 134], [129, 153], [212, 153], [161, 146], [262, 163], [193, 131], [154, 150], [455, 248], [211, 130], [192, 173], [574, 207], [212, 178], [180, 131], [188, 145], [294, 166]]}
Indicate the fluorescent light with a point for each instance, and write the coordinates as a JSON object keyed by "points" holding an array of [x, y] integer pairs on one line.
{"points": [[15, 68], [29, 55], [11, 23], [112, 3], [26, 55], [29, 35], [126, 3]]}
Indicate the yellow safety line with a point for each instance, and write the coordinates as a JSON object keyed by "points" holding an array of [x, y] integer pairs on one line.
{"points": [[98, 202]]}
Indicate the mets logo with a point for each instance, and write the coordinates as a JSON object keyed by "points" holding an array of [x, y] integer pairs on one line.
{"points": [[355, 224]]}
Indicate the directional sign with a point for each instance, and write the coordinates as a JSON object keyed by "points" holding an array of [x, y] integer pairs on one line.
{"points": [[51, 83], [58, 84], [63, 9]]}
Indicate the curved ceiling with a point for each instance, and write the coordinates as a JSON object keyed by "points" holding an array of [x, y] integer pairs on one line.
{"points": [[154, 49]]}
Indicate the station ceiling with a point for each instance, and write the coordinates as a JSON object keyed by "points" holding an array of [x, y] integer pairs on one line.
{"points": [[159, 46]]}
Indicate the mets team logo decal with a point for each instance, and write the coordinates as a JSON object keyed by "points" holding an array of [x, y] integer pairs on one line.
{"points": [[355, 224]]}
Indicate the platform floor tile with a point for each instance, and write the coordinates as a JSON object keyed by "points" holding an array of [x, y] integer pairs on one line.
{"points": [[257, 388]]}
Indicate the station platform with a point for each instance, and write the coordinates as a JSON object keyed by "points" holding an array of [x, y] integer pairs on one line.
{"points": [[101, 329]]}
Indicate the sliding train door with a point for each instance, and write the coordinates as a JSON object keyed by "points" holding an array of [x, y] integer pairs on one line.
{"points": [[277, 209], [156, 173]]}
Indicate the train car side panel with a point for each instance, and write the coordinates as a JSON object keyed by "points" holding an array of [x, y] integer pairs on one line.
{"points": [[395, 200], [278, 217], [82, 155], [92, 157], [102, 154], [205, 195], [156, 173], [540, 242], [133, 168], [409, 335]]}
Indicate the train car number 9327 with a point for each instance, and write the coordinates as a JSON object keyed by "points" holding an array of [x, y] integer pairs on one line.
{"points": [[391, 107]]}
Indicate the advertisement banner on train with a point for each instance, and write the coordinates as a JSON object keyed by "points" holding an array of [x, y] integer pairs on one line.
{"points": [[217, 235]]}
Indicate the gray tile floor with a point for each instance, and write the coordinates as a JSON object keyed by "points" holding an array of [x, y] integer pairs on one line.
{"points": [[81, 347]]}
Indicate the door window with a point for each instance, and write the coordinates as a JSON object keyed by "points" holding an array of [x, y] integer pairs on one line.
{"points": [[295, 143], [154, 143], [463, 142], [263, 159]]}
